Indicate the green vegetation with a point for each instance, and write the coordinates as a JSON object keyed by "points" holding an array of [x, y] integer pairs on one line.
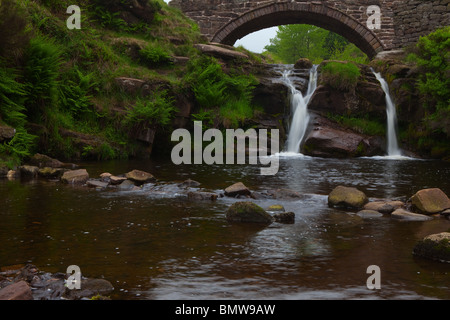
{"points": [[433, 56], [339, 75], [293, 42], [58, 88], [361, 125], [221, 95]]}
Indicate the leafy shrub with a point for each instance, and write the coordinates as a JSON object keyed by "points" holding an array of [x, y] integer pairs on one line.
{"points": [[75, 94], [12, 95], [147, 113], [340, 76], [43, 60], [154, 55], [214, 89], [433, 56]]}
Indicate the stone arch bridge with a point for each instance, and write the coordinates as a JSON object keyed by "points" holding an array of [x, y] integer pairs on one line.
{"points": [[372, 25]]}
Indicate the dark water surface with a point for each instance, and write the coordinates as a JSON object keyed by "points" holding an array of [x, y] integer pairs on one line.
{"points": [[159, 245]]}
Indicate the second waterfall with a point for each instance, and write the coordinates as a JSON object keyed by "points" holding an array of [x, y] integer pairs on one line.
{"points": [[299, 106]]}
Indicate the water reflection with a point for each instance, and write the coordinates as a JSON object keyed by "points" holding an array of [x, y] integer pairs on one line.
{"points": [[155, 244]]}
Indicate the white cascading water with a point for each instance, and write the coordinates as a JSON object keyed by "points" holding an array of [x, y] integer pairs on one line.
{"points": [[391, 111], [299, 105]]}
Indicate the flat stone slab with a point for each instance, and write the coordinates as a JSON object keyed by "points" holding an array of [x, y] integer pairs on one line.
{"points": [[16, 291]]}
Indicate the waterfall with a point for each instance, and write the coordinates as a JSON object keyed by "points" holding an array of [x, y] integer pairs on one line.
{"points": [[391, 111], [299, 105]]}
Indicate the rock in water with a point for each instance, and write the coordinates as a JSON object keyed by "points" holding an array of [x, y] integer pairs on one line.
{"points": [[140, 177], [75, 176], [403, 214], [285, 217], [16, 291], [237, 189], [347, 197], [434, 247], [248, 212], [430, 201]]}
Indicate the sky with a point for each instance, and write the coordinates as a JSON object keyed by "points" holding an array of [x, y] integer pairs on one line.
{"points": [[256, 41]]}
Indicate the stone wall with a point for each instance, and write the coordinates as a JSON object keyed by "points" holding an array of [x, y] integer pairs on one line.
{"points": [[414, 18], [402, 22]]}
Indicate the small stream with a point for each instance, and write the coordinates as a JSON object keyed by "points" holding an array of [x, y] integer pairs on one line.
{"points": [[154, 243]]}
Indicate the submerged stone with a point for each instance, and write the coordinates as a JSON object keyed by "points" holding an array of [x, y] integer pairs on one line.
{"points": [[248, 212], [434, 247]]}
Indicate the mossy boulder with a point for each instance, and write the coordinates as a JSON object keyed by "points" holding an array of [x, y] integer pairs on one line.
{"points": [[347, 198], [248, 212], [434, 247], [430, 201]]}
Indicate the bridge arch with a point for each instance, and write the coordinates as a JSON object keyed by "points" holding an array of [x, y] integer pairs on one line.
{"points": [[320, 15]]}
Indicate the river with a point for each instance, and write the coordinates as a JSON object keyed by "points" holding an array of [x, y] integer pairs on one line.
{"points": [[160, 245]]}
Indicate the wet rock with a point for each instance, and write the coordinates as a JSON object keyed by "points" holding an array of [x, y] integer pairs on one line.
{"points": [[90, 288], [303, 63], [42, 161], [51, 173], [16, 291], [189, 184], [115, 180], [220, 52], [369, 214], [385, 207], [285, 194], [329, 142], [284, 217], [140, 177], [446, 213], [75, 177], [275, 207], [96, 184], [200, 196], [13, 174], [430, 201], [237, 189], [434, 247], [6, 133], [248, 212], [347, 197], [105, 177], [126, 185], [403, 214], [29, 171]]}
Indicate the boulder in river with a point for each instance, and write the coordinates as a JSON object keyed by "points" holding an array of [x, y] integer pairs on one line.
{"points": [[29, 171], [430, 201], [403, 214], [79, 176], [199, 196], [140, 177], [248, 212], [89, 289], [384, 207], [237, 189], [16, 291], [347, 197], [434, 247], [284, 217]]}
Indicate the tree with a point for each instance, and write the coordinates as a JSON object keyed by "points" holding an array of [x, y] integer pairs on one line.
{"points": [[293, 42]]}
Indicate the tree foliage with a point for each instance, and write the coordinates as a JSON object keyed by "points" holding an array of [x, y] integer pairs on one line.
{"points": [[293, 42]]}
